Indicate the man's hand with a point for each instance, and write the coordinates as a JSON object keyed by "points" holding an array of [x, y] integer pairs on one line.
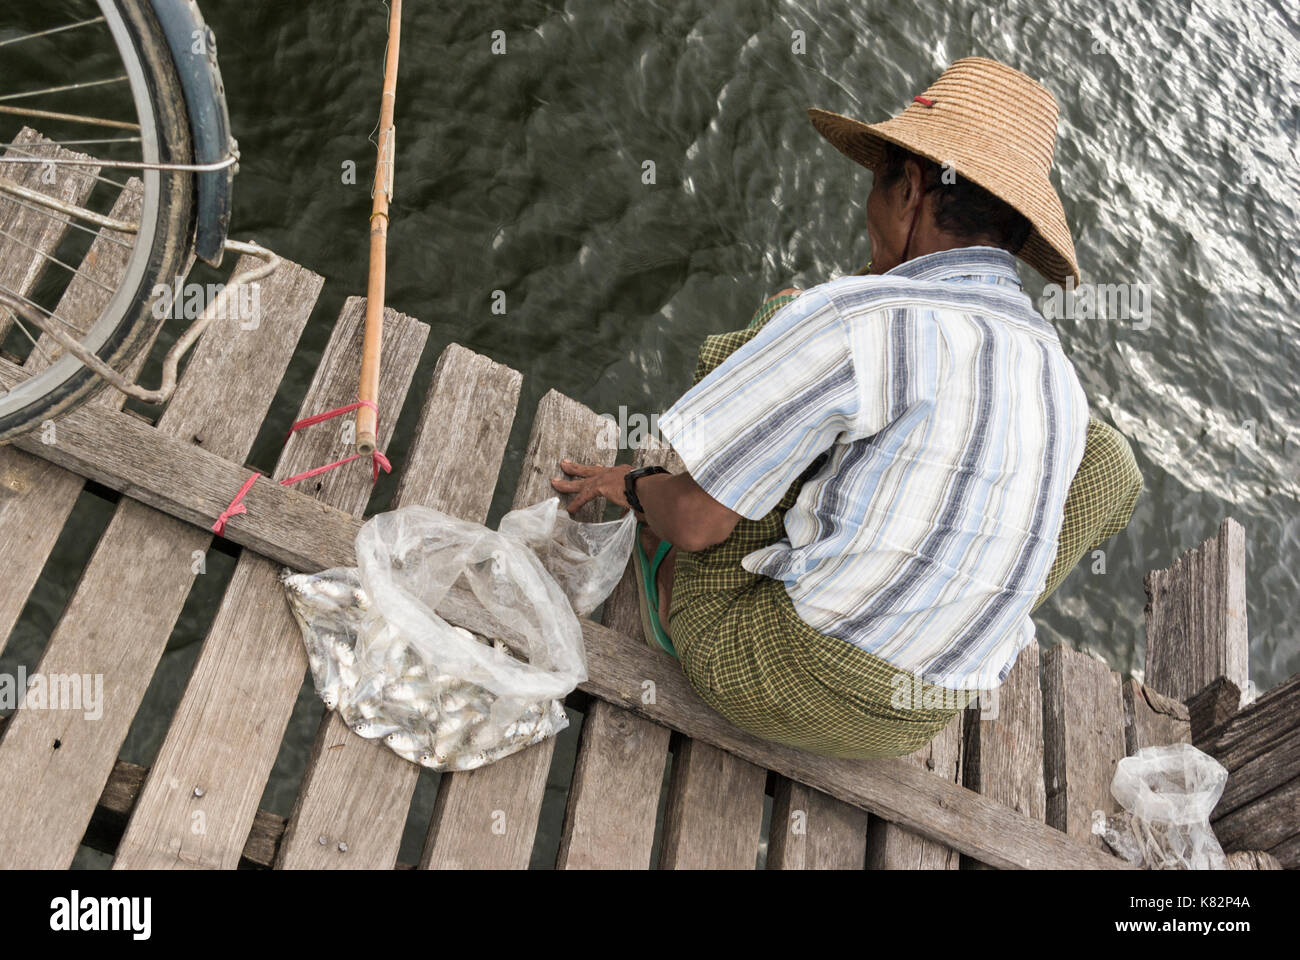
{"points": [[593, 481]]}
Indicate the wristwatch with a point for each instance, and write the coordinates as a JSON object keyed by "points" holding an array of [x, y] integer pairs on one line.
{"points": [[629, 485]]}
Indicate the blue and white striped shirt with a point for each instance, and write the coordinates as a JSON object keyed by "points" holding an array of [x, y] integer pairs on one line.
{"points": [[954, 424]]}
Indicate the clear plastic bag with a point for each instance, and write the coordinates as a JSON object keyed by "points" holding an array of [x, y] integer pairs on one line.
{"points": [[383, 657], [1168, 794]]}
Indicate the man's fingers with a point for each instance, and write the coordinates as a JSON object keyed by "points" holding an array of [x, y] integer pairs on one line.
{"points": [[566, 486], [580, 469], [581, 498]]}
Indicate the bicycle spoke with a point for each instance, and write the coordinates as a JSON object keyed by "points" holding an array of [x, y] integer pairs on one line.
{"points": [[23, 95], [31, 303], [45, 211], [46, 33], [28, 334], [11, 148], [70, 117], [53, 259], [70, 143]]}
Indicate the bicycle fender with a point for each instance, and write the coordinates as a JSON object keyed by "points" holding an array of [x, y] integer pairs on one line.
{"points": [[194, 52]]}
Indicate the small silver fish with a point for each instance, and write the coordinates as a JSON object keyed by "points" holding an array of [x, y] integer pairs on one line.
{"points": [[374, 729]]}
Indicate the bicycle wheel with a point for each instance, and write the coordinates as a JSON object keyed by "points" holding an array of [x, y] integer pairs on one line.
{"points": [[161, 246]]}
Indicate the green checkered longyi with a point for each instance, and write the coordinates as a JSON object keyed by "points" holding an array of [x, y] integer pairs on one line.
{"points": [[751, 658]]}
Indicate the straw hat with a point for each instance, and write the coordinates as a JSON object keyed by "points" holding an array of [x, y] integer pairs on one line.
{"points": [[993, 125]]}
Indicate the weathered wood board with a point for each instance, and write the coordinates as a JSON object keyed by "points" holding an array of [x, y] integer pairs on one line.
{"points": [[35, 495], [609, 820], [228, 726], [891, 847], [813, 831], [117, 624], [1260, 747], [1151, 719], [1003, 755], [357, 795], [1083, 739], [488, 817], [1196, 617], [715, 780], [29, 233]]}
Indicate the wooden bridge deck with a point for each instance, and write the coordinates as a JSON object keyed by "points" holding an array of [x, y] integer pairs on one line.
{"points": [[1011, 789]]}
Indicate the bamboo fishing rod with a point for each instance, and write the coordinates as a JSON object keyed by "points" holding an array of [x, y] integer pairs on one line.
{"points": [[382, 193]]}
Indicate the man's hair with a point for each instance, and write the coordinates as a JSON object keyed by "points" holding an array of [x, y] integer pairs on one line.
{"points": [[963, 207]]}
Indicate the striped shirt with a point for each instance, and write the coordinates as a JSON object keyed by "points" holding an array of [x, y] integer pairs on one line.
{"points": [[953, 424]]}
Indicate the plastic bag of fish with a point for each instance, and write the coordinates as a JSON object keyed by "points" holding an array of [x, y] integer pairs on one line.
{"points": [[384, 657]]}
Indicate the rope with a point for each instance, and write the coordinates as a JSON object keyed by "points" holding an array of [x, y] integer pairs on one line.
{"points": [[378, 462]]}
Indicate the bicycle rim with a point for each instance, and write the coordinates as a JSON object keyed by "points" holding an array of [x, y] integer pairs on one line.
{"points": [[116, 332]]}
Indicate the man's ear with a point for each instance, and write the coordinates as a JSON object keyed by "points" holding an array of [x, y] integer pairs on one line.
{"points": [[913, 181]]}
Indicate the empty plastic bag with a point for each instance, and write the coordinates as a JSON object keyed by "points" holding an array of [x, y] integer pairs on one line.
{"points": [[1168, 794], [384, 657]]}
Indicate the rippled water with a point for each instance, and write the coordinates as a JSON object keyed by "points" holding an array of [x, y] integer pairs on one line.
{"points": [[522, 172]]}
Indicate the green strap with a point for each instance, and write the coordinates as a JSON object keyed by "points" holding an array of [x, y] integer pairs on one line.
{"points": [[651, 590]]}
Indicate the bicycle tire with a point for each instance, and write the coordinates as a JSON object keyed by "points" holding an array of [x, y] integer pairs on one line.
{"points": [[173, 224]]}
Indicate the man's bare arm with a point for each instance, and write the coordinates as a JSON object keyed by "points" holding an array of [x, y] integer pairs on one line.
{"points": [[676, 508]]}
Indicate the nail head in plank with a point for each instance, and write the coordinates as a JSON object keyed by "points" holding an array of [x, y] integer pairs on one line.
{"points": [[227, 728], [361, 792], [471, 803], [131, 593]]}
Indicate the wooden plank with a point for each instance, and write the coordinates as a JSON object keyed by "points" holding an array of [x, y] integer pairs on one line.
{"points": [[193, 485], [1287, 853], [35, 495], [54, 763], [117, 801], [1196, 617], [29, 233], [1004, 740], [1151, 719], [1253, 860], [1083, 739], [725, 823], [1260, 747], [1214, 705], [813, 831], [891, 847], [488, 817], [228, 725], [715, 780], [1266, 823], [1263, 739], [358, 795], [609, 820]]}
